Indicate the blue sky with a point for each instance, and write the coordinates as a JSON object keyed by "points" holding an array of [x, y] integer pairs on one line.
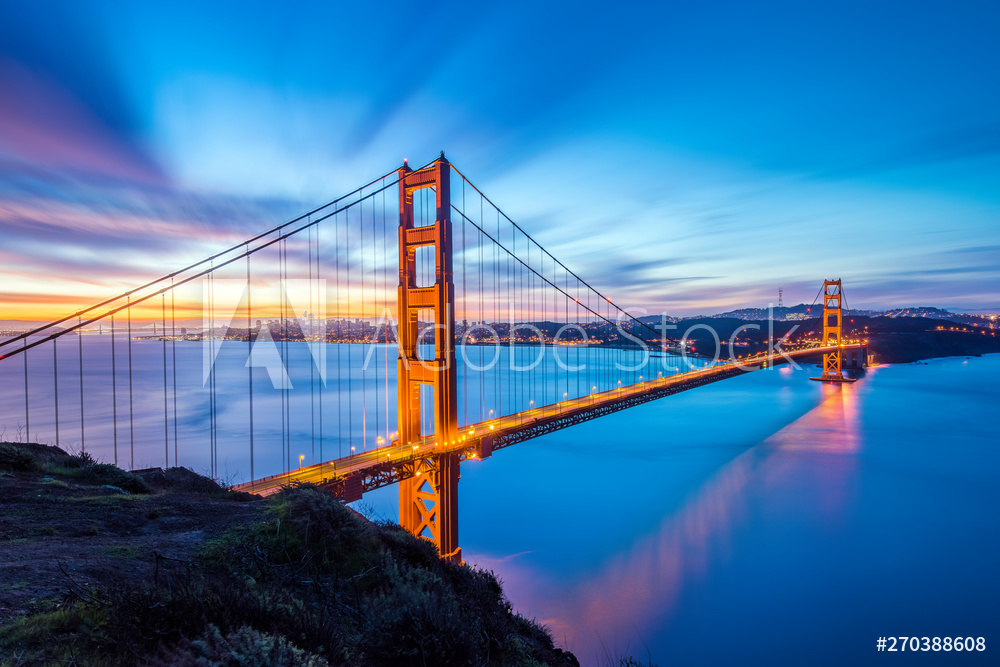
{"points": [[681, 156]]}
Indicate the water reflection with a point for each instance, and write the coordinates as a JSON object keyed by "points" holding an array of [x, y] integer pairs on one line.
{"points": [[833, 426], [620, 608]]}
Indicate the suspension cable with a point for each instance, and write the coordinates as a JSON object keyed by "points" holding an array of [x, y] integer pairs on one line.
{"points": [[174, 274], [186, 280], [542, 248], [549, 282]]}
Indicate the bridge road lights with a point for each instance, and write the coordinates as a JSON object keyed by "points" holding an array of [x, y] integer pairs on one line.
{"points": [[301, 457]]}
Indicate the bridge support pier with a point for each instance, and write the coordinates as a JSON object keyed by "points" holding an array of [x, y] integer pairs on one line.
{"points": [[428, 501], [428, 504], [856, 359]]}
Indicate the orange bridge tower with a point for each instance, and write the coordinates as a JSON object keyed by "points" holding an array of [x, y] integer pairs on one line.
{"points": [[428, 501], [833, 332]]}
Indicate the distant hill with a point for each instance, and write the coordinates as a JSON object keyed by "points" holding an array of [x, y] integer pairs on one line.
{"points": [[777, 312], [893, 339], [803, 311]]}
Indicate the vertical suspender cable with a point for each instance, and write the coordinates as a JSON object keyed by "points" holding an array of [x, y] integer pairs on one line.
{"points": [[385, 310], [131, 412], [55, 384], [282, 286], [511, 378], [27, 416], [515, 290], [533, 314], [497, 395], [465, 317], [324, 347], [79, 340], [340, 338], [583, 341], [521, 318], [361, 274], [510, 389], [213, 426], [249, 354], [374, 308], [173, 356], [289, 314], [482, 377], [114, 390], [310, 342], [350, 354], [166, 417]]}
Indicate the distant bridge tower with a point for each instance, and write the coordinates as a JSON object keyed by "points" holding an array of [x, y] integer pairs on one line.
{"points": [[833, 332], [780, 293], [428, 501]]}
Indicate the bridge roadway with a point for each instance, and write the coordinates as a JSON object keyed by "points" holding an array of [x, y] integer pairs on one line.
{"points": [[349, 476]]}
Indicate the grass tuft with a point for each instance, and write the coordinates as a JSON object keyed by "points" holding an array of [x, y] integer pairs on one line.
{"points": [[101, 474], [14, 457]]}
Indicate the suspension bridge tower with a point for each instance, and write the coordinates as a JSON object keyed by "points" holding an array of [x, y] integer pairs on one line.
{"points": [[428, 501], [833, 332]]}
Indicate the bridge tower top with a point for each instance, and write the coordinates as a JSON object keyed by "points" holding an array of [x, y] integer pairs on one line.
{"points": [[833, 315]]}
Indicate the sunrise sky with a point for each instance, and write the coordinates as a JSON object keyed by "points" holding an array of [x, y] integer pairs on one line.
{"points": [[687, 157]]}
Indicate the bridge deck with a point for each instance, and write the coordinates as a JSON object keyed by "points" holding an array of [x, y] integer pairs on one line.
{"points": [[364, 471]]}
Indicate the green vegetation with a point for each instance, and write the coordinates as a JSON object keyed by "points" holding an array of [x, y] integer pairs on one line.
{"points": [[102, 474], [56, 463], [13, 457], [304, 581], [121, 551], [246, 646]]}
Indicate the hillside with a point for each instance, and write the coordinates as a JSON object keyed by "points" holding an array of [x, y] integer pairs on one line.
{"points": [[102, 567], [891, 339]]}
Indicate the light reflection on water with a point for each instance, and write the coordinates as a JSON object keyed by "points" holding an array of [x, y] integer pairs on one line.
{"points": [[864, 510], [645, 581]]}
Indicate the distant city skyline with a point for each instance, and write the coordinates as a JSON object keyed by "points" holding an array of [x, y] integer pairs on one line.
{"points": [[684, 159], [196, 325]]}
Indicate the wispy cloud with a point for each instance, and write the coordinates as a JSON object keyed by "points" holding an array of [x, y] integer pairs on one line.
{"points": [[44, 126], [669, 169]]}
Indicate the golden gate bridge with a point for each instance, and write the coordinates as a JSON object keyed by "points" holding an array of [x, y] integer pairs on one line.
{"points": [[450, 282]]}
